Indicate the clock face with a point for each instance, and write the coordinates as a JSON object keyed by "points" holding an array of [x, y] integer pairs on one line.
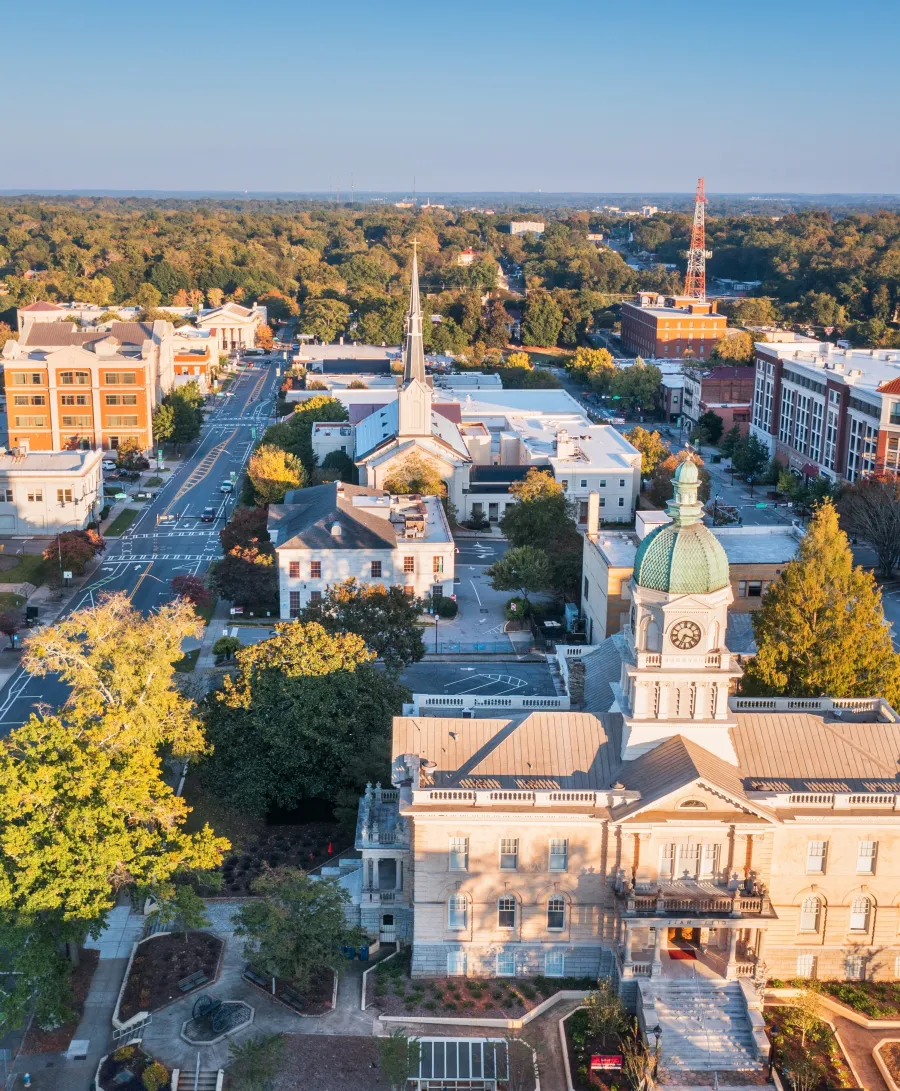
{"points": [[685, 635]]}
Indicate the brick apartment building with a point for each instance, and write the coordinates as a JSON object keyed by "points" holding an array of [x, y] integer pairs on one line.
{"points": [[828, 411], [727, 391], [70, 389], [673, 326]]}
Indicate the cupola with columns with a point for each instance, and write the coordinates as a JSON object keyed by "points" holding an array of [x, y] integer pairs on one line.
{"points": [[677, 672]]}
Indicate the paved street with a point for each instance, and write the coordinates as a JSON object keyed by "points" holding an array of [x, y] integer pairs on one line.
{"points": [[486, 679], [167, 539]]}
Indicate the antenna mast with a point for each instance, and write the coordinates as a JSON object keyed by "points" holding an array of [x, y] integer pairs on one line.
{"points": [[695, 280]]}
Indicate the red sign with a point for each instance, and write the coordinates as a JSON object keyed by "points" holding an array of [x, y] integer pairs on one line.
{"points": [[600, 1061]]}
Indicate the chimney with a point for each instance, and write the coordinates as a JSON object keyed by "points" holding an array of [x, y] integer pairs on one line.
{"points": [[593, 523], [565, 446], [335, 530]]}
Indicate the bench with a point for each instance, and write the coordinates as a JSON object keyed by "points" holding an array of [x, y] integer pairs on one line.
{"points": [[293, 999], [257, 979], [187, 983]]}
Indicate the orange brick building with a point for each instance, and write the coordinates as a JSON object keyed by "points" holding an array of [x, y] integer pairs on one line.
{"points": [[673, 326], [89, 395]]}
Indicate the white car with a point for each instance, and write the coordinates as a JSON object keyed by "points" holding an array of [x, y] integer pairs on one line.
{"points": [[108, 465], [226, 486]]}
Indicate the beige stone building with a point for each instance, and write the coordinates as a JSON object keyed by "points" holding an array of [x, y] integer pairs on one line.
{"points": [[671, 831]]}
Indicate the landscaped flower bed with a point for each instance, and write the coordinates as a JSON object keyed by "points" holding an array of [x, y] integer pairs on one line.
{"points": [[818, 1053], [392, 990], [582, 1045], [874, 999], [281, 846], [161, 963], [316, 999], [890, 1054], [131, 1069]]}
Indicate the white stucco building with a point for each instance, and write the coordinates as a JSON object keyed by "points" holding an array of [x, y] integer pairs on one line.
{"points": [[49, 492], [329, 533]]}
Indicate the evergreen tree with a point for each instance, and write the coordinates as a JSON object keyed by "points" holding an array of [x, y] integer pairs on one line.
{"points": [[821, 629]]}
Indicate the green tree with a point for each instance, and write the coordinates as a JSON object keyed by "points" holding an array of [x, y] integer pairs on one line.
{"points": [[750, 457], [518, 359], [593, 365], [870, 510], [295, 434], [297, 926], [542, 320], [179, 904], [414, 474], [324, 318], [84, 807], [652, 447], [386, 618], [306, 717], [713, 425], [274, 472], [754, 312], [605, 1012], [254, 1064], [730, 441], [338, 466], [185, 419], [163, 423], [636, 387], [524, 569], [821, 309], [226, 646], [821, 629], [398, 1058], [542, 517]]}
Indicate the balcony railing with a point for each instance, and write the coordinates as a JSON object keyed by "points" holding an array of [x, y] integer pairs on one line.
{"points": [[705, 901]]}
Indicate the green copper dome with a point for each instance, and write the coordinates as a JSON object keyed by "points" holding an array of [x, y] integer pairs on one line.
{"points": [[683, 557]]}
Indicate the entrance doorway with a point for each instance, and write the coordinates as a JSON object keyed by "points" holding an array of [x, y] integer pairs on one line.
{"points": [[388, 931], [687, 939]]}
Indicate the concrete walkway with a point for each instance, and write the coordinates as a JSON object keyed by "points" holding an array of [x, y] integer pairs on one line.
{"points": [[858, 1044]]}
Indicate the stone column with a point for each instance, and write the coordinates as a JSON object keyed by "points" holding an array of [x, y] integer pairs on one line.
{"points": [[656, 968], [731, 965], [627, 960]]}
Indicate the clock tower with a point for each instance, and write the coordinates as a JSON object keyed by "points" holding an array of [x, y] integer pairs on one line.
{"points": [[676, 671]]}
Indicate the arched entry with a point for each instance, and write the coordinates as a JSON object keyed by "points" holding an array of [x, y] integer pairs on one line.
{"points": [[388, 931]]}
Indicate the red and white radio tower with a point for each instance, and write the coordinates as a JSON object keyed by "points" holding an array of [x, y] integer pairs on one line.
{"points": [[695, 281]]}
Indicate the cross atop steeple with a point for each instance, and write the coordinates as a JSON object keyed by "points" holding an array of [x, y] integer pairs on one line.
{"points": [[414, 350]]}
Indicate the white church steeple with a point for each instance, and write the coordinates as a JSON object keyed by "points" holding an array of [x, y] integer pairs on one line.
{"points": [[414, 399]]}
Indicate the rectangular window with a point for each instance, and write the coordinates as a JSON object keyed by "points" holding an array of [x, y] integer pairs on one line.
{"points": [[621, 482], [20, 399], [602, 501], [295, 603], [709, 859], [315, 596], [409, 564], [315, 570], [294, 570], [64, 496], [565, 485], [121, 422], [76, 422], [621, 501], [559, 854], [457, 912], [456, 964], [376, 569], [113, 399], [6, 495], [865, 858], [509, 853], [855, 968], [806, 965], [506, 964], [667, 862], [815, 857], [742, 589], [438, 565], [459, 854], [124, 378], [582, 512], [586, 588], [31, 422], [584, 482], [36, 496], [754, 589], [602, 482], [506, 911], [555, 964]]}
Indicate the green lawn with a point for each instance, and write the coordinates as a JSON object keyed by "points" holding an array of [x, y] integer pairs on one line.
{"points": [[153, 482], [29, 568], [121, 523], [206, 612], [9, 602], [187, 662]]}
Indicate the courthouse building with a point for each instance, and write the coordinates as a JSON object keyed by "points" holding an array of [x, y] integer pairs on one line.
{"points": [[672, 825]]}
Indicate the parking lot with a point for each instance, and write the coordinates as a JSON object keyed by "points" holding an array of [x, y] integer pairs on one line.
{"points": [[483, 679]]}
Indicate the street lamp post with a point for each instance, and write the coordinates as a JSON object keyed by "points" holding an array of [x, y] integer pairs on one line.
{"points": [[715, 510]]}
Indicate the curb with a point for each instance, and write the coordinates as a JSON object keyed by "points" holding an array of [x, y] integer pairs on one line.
{"points": [[881, 1065], [362, 1003], [565, 1047], [506, 1024]]}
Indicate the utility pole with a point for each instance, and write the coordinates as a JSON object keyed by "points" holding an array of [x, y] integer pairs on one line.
{"points": [[695, 280]]}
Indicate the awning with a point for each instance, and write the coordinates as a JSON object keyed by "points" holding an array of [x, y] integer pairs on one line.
{"points": [[810, 469]]}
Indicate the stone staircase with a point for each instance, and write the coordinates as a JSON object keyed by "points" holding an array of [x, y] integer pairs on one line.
{"points": [[205, 1080], [705, 1025]]}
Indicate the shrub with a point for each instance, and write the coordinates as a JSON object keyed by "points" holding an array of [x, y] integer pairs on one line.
{"points": [[445, 607], [497, 995], [518, 609], [104, 512], [429, 1005], [475, 524], [155, 1076], [125, 1053], [226, 646], [528, 992], [450, 1005]]}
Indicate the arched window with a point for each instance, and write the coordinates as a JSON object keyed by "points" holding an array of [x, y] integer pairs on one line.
{"points": [[809, 914], [506, 912], [692, 805], [652, 636], [859, 914], [556, 912], [458, 911]]}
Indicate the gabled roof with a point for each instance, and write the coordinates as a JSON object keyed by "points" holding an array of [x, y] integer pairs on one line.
{"points": [[306, 519], [676, 763], [602, 668]]}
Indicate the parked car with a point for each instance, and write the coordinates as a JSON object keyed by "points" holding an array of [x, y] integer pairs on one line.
{"points": [[109, 465], [208, 515]]}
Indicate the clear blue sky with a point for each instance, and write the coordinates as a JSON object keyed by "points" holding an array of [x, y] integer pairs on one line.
{"points": [[568, 95]]}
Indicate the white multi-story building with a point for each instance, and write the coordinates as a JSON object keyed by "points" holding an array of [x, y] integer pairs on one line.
{"points": [[329, 533], [828, 411], [49, 492]]}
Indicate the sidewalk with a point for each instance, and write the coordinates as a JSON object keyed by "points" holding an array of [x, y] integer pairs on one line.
{"points": [[217, 623]]}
